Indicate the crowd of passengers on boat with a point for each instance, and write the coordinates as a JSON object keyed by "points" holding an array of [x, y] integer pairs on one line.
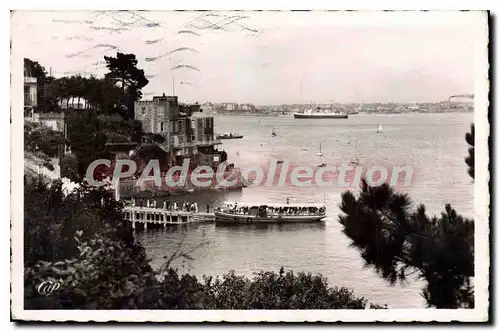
{"points": [[271, 210]]}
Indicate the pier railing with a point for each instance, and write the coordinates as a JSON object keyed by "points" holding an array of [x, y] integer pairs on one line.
{"points": [[162, 217]]}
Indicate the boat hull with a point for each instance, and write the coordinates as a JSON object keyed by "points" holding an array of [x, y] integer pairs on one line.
{"points": [[229, 218], [320, 116]]}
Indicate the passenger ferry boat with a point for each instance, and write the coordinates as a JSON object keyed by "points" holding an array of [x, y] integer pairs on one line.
{"points": [[241, 213], [320, 114]]}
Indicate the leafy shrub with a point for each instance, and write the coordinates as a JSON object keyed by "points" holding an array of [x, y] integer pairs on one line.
{"points": [[116, 138], [38, 137], [69, 167], [48, 165], [105, 275], [82, 242], [270, 290]]}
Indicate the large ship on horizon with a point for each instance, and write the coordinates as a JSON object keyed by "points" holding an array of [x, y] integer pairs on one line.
{"points": [[319, 113]]}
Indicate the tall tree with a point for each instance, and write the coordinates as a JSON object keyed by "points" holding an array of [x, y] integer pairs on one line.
{"points": [[60, 88], [99, 94], [45, 102], [35, 70], [469, 160], [88, 138], [400, 242], [124, 72], [93, 92]]}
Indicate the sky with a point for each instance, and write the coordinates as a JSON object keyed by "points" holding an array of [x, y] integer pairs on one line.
{"points": [[266, 57]]}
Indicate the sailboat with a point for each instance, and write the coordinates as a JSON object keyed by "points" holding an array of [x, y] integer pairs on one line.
{"points": [[379, 130], [320, 153], [356, 159]]}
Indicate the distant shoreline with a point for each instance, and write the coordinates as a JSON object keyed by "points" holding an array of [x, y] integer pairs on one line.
{"points": [[360, 113]]}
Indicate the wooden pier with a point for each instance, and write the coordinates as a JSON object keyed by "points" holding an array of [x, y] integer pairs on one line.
{"points": [[163, 217]]}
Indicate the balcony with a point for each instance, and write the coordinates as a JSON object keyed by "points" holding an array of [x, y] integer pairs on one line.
{"points": [[29, 100], [29, 80]]}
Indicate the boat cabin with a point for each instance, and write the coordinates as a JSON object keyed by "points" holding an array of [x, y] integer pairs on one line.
{"points": [[266, 209]]}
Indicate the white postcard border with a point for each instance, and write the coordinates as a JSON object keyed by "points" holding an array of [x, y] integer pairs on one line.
{"points": [[481, 201]]}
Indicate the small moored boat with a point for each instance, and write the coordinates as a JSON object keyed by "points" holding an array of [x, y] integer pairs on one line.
{"points": [[241, 213], [229, 136], [354, 162]]}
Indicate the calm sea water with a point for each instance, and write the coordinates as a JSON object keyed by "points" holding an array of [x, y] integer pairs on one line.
{"points": [[433, 144]]}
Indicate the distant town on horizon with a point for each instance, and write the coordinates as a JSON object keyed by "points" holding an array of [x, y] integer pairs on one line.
{"points": [[462, 103]]}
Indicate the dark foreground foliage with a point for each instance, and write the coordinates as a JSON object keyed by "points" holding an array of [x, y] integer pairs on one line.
{"points": [[81, 241], [113, 94], [469, 160], [400, 242]]}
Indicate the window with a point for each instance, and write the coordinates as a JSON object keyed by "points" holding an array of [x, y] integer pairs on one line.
{"points": [[143, 110], [161, 126]]}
